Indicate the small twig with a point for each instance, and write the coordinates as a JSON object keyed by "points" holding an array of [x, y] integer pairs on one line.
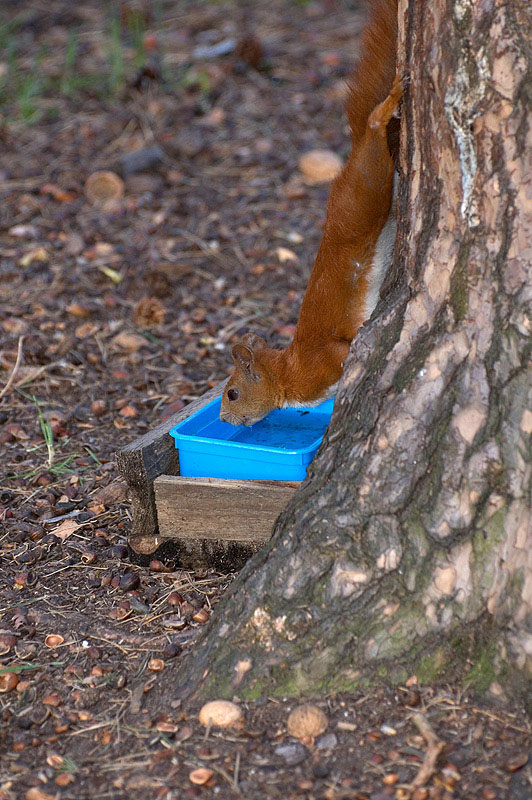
{"points": [[13, 375], [236, 771], [434, 748], [227, 777]]}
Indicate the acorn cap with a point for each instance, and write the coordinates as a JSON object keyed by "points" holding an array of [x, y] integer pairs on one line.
{"points": [[103, 186]]}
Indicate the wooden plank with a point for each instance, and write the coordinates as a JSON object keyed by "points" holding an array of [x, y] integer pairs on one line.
{"points": [[141, 461], [218, 523]]}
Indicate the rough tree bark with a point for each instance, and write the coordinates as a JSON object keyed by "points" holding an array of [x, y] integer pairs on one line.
{"points": [[409, 547]]}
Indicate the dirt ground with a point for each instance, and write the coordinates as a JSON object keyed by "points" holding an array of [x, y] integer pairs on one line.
{"points": [[115, 313]]}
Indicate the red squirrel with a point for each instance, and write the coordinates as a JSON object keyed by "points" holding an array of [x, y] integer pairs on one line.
{"points": [[355, 250]]}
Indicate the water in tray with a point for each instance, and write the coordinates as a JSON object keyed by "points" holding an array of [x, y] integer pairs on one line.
{"points": [[289, 429]]}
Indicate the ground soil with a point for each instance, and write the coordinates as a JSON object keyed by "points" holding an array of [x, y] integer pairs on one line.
{"points": [[122, 314]]}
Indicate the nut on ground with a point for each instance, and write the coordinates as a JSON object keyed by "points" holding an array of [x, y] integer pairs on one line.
{"points": [[222, 713], [306, 722]]}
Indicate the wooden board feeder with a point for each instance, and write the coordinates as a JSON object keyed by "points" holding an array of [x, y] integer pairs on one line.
{"points": [[202, 522]]}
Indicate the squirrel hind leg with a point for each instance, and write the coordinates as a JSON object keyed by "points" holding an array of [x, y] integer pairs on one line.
{"points": [[385, 111]]}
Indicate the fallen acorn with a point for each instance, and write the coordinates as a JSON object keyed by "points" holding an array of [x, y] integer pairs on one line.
{"points": [[222, 713], [119, 613], [391, 779], [172, 650], [7, 641], [306, 722], [156, 664], [129, 582], [53, 640], [37, 794], [118, 551], [8, 682], [166, 727], [98, 407], [517, 762], [51, 700], [174, 599], [64, 778], [200, 776]]}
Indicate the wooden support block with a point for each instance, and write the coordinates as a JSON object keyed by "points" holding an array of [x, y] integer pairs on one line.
{"points": [[141, 461], [218, 523]]}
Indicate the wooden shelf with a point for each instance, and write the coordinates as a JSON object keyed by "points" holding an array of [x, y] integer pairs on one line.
{"points": [[204, 522]]}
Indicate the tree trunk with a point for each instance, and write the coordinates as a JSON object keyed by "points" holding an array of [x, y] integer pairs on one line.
{"points": [[409, 547]]}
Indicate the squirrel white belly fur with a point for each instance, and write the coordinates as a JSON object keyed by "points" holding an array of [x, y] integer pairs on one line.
{"points": [[355, 250]]}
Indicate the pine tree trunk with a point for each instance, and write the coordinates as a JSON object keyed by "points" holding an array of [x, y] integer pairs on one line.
{"points": [[409, 548]]}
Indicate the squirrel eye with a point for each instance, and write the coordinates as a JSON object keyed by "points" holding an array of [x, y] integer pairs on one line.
{"points": [[233, 394]]}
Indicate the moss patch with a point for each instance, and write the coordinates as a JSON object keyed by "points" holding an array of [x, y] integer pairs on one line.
{"points": [[459, 287]]}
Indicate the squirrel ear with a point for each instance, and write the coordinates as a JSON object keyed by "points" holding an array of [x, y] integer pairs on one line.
{"points": [[242, 356], [254, 342]]}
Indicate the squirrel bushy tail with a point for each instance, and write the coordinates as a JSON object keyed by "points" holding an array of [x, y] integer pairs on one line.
{"points": [[374, 72]]}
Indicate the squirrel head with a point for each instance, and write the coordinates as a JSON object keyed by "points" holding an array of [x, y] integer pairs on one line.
{"points": [[250, 391]]}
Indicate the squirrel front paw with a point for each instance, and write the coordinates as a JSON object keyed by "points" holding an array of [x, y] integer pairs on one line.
{"points": [[383, 113]]}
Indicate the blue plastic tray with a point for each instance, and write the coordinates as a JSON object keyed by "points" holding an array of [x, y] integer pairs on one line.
{"points": [[280, 447]]}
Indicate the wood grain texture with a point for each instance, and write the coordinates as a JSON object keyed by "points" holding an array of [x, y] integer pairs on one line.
{"points": [[142, 460], [218, 523]]}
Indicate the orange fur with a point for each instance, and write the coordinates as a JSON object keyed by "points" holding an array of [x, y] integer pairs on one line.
{"points": [[334, 305]]}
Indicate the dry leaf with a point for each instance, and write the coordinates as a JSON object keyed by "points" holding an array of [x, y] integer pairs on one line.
{"points": [[14, 325], [66, 529], [96, 509], [77, 310], [115, 492], [17, 431], [86, 329], [129, 341], [57, 193], [29, 374]]}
